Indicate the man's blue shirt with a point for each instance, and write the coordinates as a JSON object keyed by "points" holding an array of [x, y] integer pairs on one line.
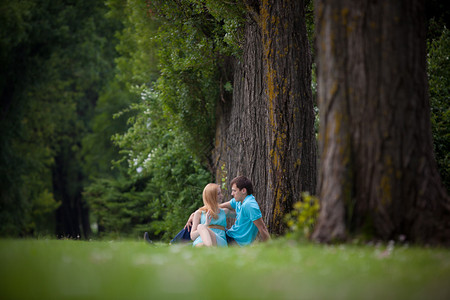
{"points": [[244, 231]]}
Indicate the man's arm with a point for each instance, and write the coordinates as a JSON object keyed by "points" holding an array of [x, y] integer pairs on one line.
{"points": [[229, 210], [229, 213], [226, 205], [265, 236], [190, 221]]}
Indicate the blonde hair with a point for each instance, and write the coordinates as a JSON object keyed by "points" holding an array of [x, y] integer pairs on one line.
{"points": [[210, 200]]}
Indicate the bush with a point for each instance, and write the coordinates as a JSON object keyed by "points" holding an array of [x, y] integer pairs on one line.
{"points": [[439, 85], [302, 218]]}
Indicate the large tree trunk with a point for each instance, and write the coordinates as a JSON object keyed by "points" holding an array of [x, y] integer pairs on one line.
{"points": [[242, 121], [270, 122], [378, 174]]}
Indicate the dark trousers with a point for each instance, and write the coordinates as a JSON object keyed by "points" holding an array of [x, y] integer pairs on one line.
{"points": [[184, 236]]}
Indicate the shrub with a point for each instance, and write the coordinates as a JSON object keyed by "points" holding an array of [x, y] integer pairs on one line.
{"points": [[302, 218]]}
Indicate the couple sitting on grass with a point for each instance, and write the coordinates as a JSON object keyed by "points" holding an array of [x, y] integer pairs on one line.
{"points": [[208, 223]]}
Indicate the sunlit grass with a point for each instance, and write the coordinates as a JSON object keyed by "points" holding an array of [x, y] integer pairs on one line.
{"points": [[65, 269]]}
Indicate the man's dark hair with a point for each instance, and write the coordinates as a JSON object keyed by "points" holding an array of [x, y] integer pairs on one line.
{"points": [[243, 182]]}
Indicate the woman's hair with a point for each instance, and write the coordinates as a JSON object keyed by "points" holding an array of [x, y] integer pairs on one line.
{"points": [[243, 182], [210, 200]]}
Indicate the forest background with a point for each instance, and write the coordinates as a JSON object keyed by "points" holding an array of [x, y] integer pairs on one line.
{"points": [[108, 116]]}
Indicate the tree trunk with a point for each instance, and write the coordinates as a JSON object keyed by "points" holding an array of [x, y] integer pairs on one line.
{"points": [[270, 125], [241, 123], [72, 217], [378, 175]]}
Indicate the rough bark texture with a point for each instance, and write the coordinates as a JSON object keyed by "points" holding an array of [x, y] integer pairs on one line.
{"points": [[269, 125], [288, 97], [241, 124], [378, 174]]}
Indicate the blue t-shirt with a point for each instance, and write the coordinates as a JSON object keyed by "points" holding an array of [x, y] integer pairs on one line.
{"points": [[244, 231]]}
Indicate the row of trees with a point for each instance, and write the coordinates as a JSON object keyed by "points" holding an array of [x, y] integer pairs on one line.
{"points": [[55, 59], [215, 89], [73, 73]]}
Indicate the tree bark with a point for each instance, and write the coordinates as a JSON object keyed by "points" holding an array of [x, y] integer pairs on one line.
{"points": [[270, 125], [378, 175], [241, 124]]}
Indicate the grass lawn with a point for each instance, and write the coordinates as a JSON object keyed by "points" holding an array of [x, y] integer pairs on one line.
{"points": [[65, 269]]}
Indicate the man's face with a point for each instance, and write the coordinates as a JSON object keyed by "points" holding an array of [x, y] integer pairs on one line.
{"points": [[238, 195]]}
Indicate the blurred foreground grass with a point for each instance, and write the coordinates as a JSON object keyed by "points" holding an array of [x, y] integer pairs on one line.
{"points": [[65, 269]]}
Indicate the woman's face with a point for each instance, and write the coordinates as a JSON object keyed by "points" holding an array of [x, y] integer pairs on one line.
{"points": [[219, 195]]}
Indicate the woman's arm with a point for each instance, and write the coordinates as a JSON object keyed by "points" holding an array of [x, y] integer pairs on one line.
{"points": [[196, 221]]}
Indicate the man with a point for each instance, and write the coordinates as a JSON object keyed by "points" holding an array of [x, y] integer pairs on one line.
{"points": [[248, 215]]}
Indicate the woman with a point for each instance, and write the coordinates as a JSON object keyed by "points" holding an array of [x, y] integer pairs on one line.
{"points": [[210, 221]]}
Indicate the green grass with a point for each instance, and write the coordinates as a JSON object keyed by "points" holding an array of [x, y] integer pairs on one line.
{"points": [[65, 269]]}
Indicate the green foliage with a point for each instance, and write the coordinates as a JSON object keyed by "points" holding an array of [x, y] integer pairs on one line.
{"points": [[98, 150], [119, 205], [156, 156], [137, 63], [223, 179], [51, 56], [302, 218], [55, 58], [222, 22], [439, 86], [189, 90], [193, 40], [171, 72]]}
